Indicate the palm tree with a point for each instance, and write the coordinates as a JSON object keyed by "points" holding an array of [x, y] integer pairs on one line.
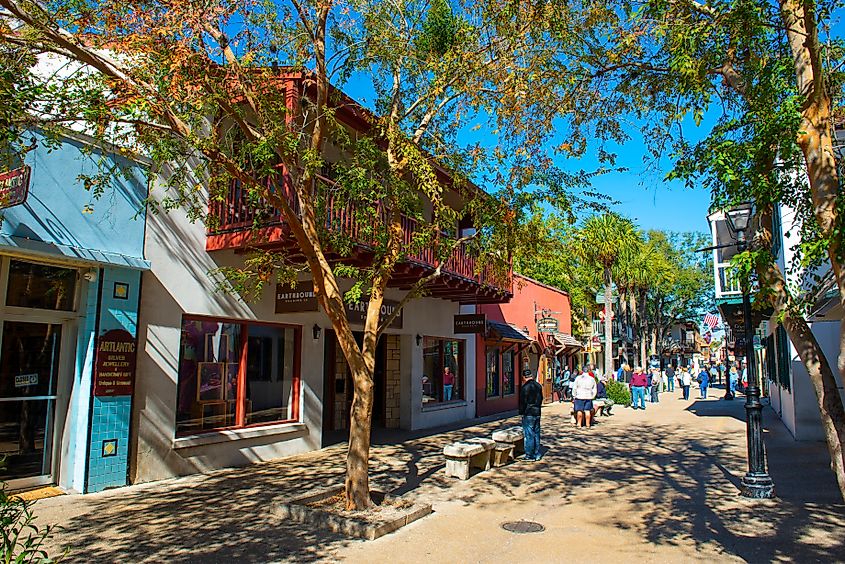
{"points": [[602, 241]]}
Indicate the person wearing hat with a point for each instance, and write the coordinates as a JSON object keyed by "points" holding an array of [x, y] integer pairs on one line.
{"points": [[530, 404]]}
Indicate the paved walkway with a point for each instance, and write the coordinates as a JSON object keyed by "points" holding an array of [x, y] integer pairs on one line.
{"points": [[659, 485]]}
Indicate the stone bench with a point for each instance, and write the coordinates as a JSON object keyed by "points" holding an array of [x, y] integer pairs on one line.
{"points": [[464, 455], [512, 439]]}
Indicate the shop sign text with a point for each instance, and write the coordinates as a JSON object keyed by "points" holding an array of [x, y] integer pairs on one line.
{"points": [[547, 325], [471, 323], [356, 312], [14, 187], [26, 380], [295, 299], [115, 366]]}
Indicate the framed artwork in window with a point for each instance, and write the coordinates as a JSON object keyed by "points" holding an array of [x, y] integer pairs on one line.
{"points": [[210, 379]]}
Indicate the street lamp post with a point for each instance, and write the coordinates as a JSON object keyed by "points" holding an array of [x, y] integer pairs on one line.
{"points": [[756, 483]]}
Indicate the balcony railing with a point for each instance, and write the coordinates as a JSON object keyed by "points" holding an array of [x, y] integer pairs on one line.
{"points": [[727, 282], [238, 212]]}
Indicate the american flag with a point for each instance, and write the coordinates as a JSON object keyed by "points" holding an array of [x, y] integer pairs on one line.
{"points": [[711, 320]]}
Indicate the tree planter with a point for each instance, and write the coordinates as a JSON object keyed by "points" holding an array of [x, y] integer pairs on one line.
{"points": [[326, 509]]}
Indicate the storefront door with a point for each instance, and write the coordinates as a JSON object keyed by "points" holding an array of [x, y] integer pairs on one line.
{"points": [[338, 390], [29, 369]]}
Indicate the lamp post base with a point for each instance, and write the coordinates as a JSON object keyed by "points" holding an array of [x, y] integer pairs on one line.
{"points": [[757, 485], [728, 395]]}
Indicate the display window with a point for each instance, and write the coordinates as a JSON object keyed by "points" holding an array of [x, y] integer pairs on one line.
{"points": [[500, 365], [443, 378], [235, 374]]}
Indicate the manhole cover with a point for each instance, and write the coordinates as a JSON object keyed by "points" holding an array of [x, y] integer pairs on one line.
{"points": [[523, 527]]}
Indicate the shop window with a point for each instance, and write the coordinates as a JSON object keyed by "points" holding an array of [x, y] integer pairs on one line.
{"points": [[234, 374], [501, 372], [41, 286], [508, 374], [443, 375], [493, 374]]}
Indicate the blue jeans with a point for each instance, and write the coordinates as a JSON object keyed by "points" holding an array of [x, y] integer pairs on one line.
{"points": [[531, 430], [670, 385], [704, 391], [447, 392], [638, 396], [686, 392]]}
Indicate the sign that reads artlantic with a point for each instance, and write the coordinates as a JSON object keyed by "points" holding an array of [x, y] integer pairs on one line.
{"points": [[471, 323], [296, 299], [14, 187], [115, 367], [547, 325], [356, 312]]}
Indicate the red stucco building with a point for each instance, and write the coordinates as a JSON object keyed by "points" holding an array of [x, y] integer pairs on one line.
{"points": [[531, 332]]}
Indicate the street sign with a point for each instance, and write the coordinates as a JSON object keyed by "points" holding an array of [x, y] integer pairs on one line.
{"points": [[547, 325]]}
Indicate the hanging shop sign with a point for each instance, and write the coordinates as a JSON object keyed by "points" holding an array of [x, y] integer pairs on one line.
{"points": [[115, 367], [295, 299], [356, 312], [547, 325], [471, 323], [14, 187]]}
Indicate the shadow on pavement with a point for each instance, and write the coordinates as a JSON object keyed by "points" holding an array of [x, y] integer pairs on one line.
{"points": [[673, 484]]}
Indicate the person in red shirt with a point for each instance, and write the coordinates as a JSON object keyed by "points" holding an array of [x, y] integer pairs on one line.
{"points": [[448, 384], [639, 381]]}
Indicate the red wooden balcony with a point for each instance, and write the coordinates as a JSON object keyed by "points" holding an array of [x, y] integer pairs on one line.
{"points": [[241, 224]]}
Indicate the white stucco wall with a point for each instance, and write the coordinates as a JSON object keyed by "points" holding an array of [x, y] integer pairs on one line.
{"points": [[178, 284]]}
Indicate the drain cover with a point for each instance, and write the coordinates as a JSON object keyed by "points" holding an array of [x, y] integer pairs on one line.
{"points": [[523, 527]]}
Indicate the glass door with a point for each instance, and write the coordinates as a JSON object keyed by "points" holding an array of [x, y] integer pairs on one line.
{"points": [[29, 368]]}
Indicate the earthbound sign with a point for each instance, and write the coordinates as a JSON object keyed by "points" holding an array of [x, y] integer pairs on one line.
{"points": [[471, 323], [356, 312], [14, 187], [115, 366], [299, 298]]}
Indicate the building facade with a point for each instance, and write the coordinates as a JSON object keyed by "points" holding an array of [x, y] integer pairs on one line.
{"points": [[532, 332], [70, 273], [781, 372], [227, 382]]}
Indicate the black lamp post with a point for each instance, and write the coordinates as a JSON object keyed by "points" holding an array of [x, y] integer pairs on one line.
{"points": [[756, 483]]}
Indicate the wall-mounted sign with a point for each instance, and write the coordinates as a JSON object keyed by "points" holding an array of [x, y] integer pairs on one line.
{"points": [[471, 323], [356, 312], [26, 380], [14, 187], [297, 299], [547, 325], [115, 367]]}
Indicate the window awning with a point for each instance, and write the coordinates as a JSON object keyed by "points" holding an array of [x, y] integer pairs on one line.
{"points": [[567, 342], [505, 332]]}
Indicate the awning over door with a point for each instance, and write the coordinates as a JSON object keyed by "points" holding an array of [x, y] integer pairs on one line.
{"points": [[504, 332], [567, 343]]}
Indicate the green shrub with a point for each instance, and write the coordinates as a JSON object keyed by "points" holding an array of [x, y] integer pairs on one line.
{"points": [[618, 392], [22, 539]]}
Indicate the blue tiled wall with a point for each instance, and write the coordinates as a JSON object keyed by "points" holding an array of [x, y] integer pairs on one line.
{"points": [[110, 416]]}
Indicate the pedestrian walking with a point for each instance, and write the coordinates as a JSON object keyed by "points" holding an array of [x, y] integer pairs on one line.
{"points": [[530, 403], [639, 380], [670, 378], [656, 381], [686, 381], [584, 390], [703, 382], [733, 377]]}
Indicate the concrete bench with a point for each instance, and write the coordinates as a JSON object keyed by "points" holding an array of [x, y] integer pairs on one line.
{"points": [[512, 438], [462, 456]]}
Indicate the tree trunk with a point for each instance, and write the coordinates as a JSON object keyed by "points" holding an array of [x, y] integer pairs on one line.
{"points": [[608, 327], [821, 375], [360, 426]]}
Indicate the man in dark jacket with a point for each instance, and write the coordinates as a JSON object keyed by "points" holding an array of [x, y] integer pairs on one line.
{"points": [[530, 403]]}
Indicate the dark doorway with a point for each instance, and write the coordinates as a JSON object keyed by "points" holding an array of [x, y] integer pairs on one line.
{"points": [[338, 389]]}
